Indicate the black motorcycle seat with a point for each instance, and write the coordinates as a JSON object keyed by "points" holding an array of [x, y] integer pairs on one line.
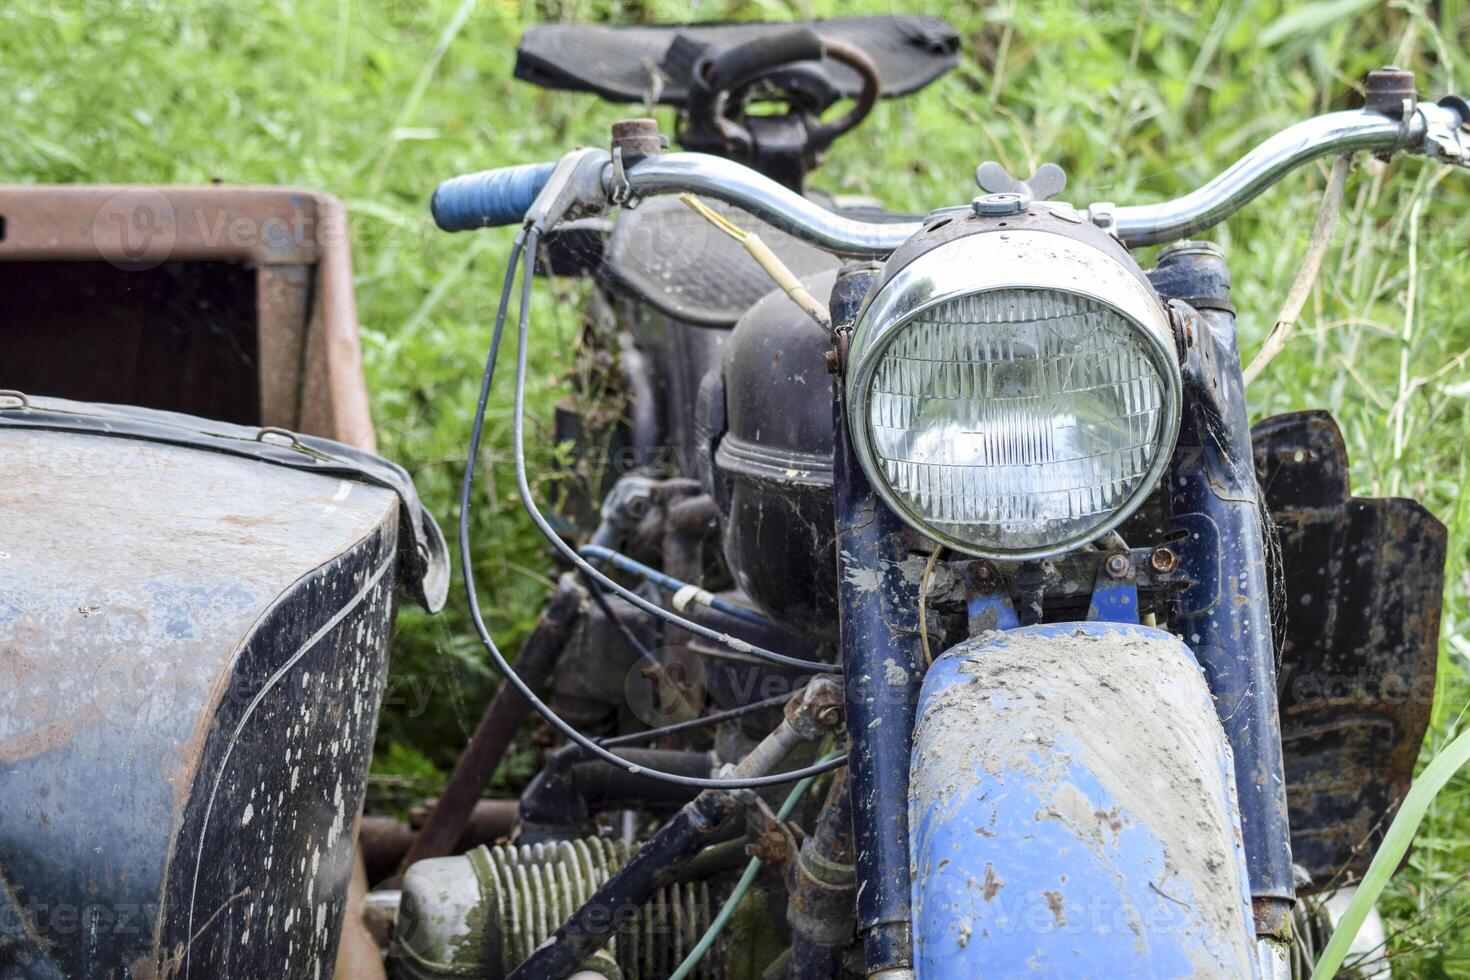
{"points": [[651, 63]]}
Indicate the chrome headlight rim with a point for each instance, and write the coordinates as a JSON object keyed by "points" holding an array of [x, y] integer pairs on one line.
{"points": [[1010, 260]]}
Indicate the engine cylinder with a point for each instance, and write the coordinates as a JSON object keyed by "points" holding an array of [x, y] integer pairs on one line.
{"points": [[483, 913]]}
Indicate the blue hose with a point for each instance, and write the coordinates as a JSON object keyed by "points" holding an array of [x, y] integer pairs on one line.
{"points": [[619, 560]]}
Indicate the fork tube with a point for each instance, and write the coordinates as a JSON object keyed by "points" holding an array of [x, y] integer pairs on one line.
{"points": [[879, 632], [1225, 615]]}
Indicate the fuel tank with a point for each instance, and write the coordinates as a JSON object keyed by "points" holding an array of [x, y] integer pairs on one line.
{"points": [[194, 625]]}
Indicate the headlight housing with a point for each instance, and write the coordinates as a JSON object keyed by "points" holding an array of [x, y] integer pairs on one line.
{"points": [[1014, 393]]}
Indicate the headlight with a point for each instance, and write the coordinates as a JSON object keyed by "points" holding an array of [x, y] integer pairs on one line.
{"points": [[1014, 394]]}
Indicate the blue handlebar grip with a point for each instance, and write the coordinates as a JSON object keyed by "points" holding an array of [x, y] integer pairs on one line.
{"points": [[491, 197]]}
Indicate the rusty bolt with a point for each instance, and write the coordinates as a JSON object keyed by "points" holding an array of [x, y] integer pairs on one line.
{"points": [[638, 138], [771, 847], [829, 716], [820, 703], [1163, 560], [984, 572], [1385, 90], [1118, 566], [834, 362]]}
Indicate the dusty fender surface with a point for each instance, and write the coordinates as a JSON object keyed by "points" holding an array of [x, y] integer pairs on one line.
{"points": [[1072, 811]]}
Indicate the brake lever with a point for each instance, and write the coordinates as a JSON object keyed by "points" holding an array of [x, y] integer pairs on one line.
{"points": [[575, 189]]}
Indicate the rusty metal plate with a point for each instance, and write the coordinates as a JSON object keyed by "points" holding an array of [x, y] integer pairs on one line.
{"points": [[293, 242], [1358, 631]]}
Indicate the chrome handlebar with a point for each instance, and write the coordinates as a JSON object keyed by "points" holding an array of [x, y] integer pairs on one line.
{"points": [[1424, 129], [589, 181], [734, 183], [1438, 131]]}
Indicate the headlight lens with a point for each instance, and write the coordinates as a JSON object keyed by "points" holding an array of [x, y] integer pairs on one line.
{"points": [[1020, 420]]}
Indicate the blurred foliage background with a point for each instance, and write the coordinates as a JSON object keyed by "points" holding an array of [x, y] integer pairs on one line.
{"points": [[377, 100]]}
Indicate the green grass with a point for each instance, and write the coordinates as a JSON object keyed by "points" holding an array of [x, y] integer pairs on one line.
{"points": [[377, 101]]}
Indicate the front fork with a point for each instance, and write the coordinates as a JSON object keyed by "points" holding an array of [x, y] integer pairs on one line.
{"points": [[882, 671], [1214, 511], [1224, 616]]}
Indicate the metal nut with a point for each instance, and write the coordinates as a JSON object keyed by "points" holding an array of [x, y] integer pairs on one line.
{"points": [[1163, 560], [816, 708], [1386, 88], [1118, 566], [638, 138], [1000, 205]]}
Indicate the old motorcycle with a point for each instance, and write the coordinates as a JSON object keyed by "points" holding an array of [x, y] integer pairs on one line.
{"points": [[917, 616], [983, 494]]}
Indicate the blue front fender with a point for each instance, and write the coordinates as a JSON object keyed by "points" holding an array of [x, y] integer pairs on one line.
{"points": [[1072, 811]]}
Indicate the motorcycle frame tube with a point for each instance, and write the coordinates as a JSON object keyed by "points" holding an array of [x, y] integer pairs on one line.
{"points": [[1225, 615], [877, 619], [880, 682], [821, 890]]}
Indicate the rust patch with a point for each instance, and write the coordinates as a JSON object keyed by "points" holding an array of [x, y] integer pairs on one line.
{"points": [[48, 737], [1111, 819], [993, 884], [1054, 902]]}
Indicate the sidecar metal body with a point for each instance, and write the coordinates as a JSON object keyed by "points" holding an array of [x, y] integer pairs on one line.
{"points": [[194, 625], [194, 615]]}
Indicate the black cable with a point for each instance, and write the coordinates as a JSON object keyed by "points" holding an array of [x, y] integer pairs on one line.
{"points": [[629, 637], [703, 721], [518, 425], [526, 243]]}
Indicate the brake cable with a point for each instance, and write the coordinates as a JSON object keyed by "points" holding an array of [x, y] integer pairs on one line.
{"points": [[525, 244], [518, 425]]}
